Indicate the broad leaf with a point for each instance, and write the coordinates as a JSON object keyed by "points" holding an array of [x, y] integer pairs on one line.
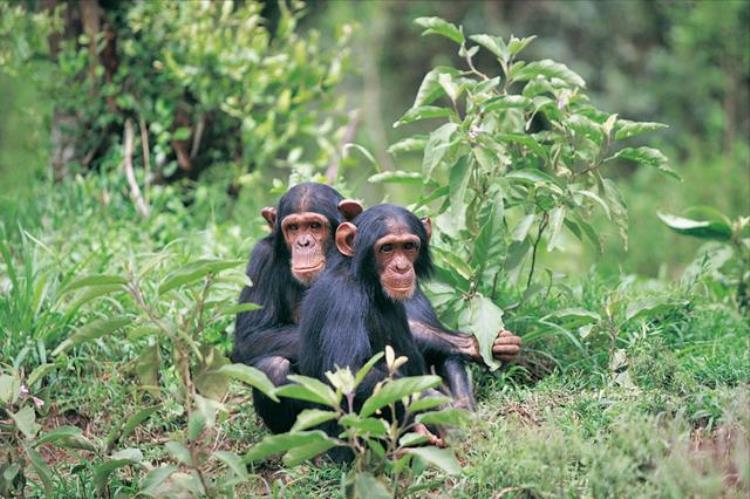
{"points": [[426, 403], [25, 420], [195, 271], [494, 44], [409, 144], [549, 69], [703, 223], [485, 322], [647, 156], [440, 458], [450, 416], [312, 417], [438, 26], [94, 280], [397, 177], [438, 147], [92, 331], [233, 462], [366, 486], [374, 427], [276, 444], [629, 129], [394, 391], [251, 376], [423, 113]]}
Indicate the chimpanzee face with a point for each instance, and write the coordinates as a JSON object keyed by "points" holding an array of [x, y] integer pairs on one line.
{"points": [[306, 235], [395, 254]]}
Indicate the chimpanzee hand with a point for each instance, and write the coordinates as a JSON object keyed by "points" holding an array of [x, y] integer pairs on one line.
{"points": [[506, 346]]}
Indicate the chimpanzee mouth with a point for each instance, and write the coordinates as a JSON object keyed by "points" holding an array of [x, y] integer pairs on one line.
{"points": [[311, 268]]}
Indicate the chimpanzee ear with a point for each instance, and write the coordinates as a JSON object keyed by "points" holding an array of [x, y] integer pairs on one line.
{"points": [[427, 223], [345, 238], [269, 213], [350, 208]]}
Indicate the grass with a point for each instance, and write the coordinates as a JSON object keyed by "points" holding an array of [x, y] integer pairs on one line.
{"points": [[671, 418]]}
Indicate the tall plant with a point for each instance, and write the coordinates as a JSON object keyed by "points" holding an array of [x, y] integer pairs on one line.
{"points": [[519, 159]]}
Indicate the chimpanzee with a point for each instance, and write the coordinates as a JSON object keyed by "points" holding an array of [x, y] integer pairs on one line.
{"points": [[281, 266], [267, 338], [357, 306]]}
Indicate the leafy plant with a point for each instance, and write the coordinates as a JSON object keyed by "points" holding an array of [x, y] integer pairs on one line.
{"points": [[173, 310], [380, 446], [729, 255], [519, 161]]}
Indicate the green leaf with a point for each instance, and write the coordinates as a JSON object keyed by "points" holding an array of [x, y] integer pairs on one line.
{"points": [[195, 426], [397, 177], [505, 102], [25, 421], [59, 433], [485, 321], [430, 89], [617, 205], [425, 403], [37, 374], [523, 227], [147, 368], [440, 458], [179, 452], [94, 280], [438, 26], [549, 69], [573, 317], [516, 45], [703, 222], [151, 482], [195, 271], [118, 460], [526, 141], [373, 427], [251, 376], [450, 416], [238, 308], [366, 486], [41, 468], [363, 150], [629, 129], [494, 44], [302, 453], [647, 156], [394, 391], [233, 462], [651, 306], [556, 217], [409, 144], [438, 147], [93, 292], [360, 376], [276, 444], [10, 389], [92, 331], [460, 174], [312, 417], [423, 113], [412, 439]]}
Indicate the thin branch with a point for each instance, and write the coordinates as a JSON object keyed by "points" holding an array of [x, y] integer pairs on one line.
{"points": [[127, 164], [199, 129], [542, 226], [351, 130], [146, 151]]}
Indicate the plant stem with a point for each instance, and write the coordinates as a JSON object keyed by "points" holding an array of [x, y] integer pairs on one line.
{"points": [[542, 226]]}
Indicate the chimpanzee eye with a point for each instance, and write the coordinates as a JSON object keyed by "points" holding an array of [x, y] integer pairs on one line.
{"points": [[292, 227], [316, 225], [410, 246], [386, 248]]}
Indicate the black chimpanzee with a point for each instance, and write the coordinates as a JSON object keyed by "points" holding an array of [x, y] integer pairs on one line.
{"points": [[356, 307], [267, 338], [281, 266]]}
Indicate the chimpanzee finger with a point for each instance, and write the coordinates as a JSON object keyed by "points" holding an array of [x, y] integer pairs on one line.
{"points": [[505, 349], [506, 358], [508, 340]]}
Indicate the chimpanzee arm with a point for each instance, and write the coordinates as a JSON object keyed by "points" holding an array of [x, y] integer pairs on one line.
{"points": [[432, 337], [280, 341]]}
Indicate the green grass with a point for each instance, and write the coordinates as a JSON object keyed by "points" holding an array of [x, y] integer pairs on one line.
{"points": [[673, 420]]}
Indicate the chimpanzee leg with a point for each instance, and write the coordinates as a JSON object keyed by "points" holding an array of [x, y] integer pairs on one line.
{"points": [[278, 416], [454, 372]]}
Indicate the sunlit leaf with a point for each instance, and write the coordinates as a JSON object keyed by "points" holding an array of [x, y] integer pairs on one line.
{"points": [[438, 26], [394, 391]]}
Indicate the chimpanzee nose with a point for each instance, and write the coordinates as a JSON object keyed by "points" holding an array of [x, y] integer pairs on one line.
{"points": [[304, 242], [402, 267]]}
